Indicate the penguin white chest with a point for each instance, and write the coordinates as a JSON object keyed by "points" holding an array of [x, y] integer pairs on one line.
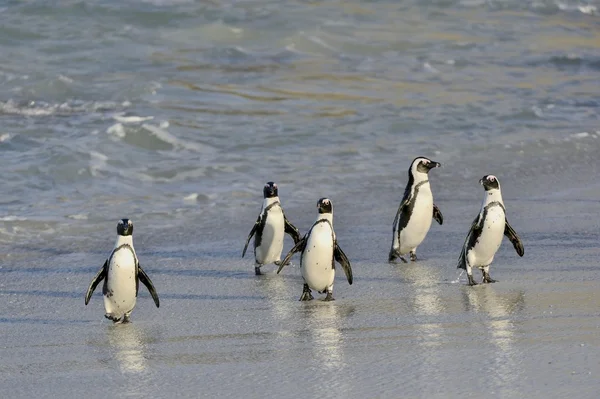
{"points": [[490, 237], [413, 234], [317, 258], [120, 296], [271, 242]]}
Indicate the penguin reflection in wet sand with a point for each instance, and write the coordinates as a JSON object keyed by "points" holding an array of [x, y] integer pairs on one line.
{"points": [[413, 219], [269, 230], [121, 273], [486, 233], [319, 251]]}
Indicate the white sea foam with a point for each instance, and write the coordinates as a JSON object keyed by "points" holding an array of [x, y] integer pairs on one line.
{"points": [[98, 156], [192, 197], [97, 163], [13, 218], [78, 216], [117, 130], [580, 135], [167, 137], [122, 118], [427, 67], [65, 79], [583, 8], [41, 108]]}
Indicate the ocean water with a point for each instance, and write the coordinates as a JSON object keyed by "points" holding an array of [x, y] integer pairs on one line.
{"points": [[175, 113]]}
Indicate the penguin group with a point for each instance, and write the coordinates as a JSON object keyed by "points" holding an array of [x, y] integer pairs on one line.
{"points": [[319, 248]]}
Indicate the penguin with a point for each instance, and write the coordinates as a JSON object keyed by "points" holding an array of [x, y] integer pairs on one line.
{"points": [[486, 233], [269, 229], [121, 273], [319, 251], [413, 218]]}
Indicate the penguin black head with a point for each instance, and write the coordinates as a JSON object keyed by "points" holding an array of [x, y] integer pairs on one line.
{"points": [[325, 206], [490, 182], [270, 190], [423, 165], [125, 227]]}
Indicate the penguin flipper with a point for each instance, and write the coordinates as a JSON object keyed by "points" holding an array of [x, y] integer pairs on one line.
{"points": [[403, 204], [254, 228], [342, 259], [437, 215], [95, 281], [395, 228], [143, 277], [462, 259], [298, 247], [511, 234], [291, 230]]}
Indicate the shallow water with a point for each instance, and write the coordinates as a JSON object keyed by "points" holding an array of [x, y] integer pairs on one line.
{"points": [[175, 113]]}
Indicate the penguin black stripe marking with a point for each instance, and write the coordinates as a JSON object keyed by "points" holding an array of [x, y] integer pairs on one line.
{"points": [[474, 237], [124, 246], [475, 233], [332, 238], [261, 225], [407, 209]]}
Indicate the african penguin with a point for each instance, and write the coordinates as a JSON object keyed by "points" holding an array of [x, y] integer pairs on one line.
{"points": [[486, 233], [121, 273], [319, 251], [269, 230], [413, 218]]}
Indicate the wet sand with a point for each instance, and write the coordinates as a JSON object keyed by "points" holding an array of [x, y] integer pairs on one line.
{"points": [[412, 330]]}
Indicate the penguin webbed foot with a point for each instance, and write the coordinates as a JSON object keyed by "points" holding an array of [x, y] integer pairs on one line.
{"points": [[117, 320], [306, 294], [471, 280], [487, 279], [393, 256], [413, 256], [329, 297], [257, 271], [279, 263]]}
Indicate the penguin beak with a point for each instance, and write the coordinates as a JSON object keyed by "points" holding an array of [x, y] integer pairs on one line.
{"points": [[433, 164]]}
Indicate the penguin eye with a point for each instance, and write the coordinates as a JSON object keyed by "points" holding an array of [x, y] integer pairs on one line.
{"points": [[491, 178]]}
